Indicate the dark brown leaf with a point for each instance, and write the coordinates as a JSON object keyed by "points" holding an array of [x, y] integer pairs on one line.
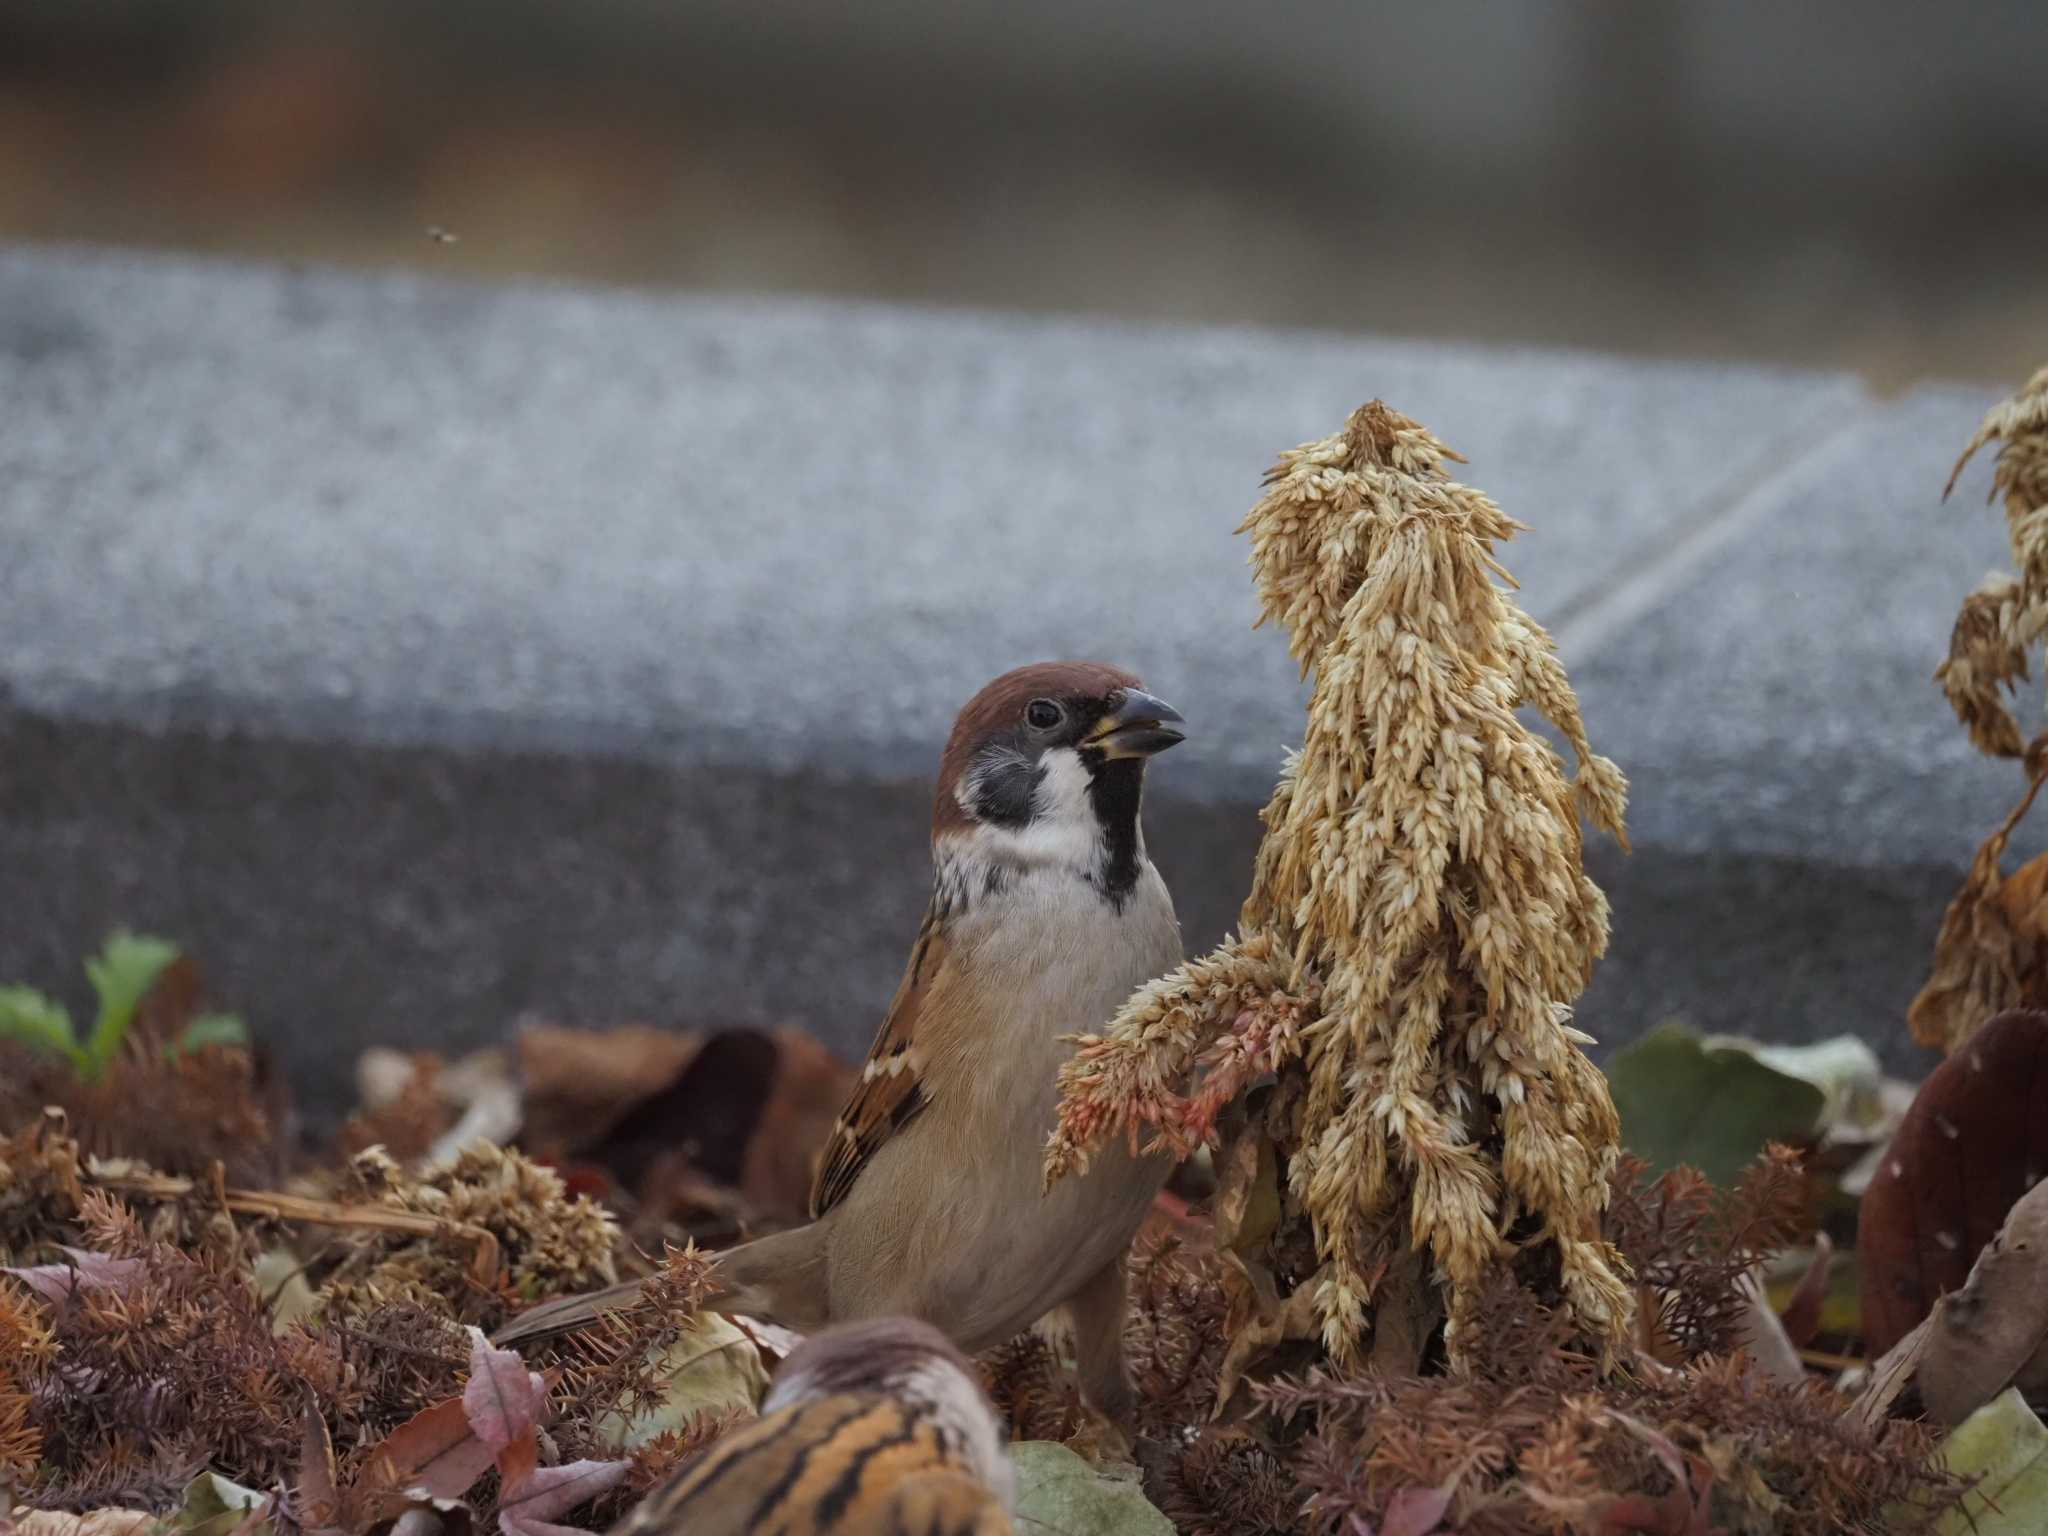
{"points": [[1973, 1142], [578, 1083]]}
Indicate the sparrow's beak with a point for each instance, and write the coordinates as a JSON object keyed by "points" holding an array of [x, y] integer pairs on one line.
{"points": [[1139, 726]]}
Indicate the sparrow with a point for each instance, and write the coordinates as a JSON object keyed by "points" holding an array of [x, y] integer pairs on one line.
{"points": [[879, 1427], [1045, 916]]}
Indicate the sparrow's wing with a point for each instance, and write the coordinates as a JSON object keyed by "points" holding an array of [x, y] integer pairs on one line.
{"points": [[890, 1093]]}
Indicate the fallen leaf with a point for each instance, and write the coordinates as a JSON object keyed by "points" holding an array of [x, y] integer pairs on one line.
{"points": [[315, 1501], [1247, 1204], [707, 1112], [279, 1276], [1975, 1140], [804, 1099], [434, 1454], [517, 1461], [1059, 1492], [1260, 1322], [1713, 1106], [578, 1083], [552, 1491], [215, 1506], [713, 1369], [2002, 1450], [502, 1398], [1764, 1336], [56, 1282], [1993, 1333], [1843, 1067]]}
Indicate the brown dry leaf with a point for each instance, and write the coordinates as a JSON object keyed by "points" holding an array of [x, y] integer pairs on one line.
{"points": [[317, 1503], [804, 1100], [748, 1113], [580, 1082], [1993, 1333], [1989, 953], [1247, 1203], [1406, 1312], [1260, 1321], [1974, 1141]]}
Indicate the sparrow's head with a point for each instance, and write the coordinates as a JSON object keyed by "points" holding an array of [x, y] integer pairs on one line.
{"points": [[911, 1361], [1048, 761]]}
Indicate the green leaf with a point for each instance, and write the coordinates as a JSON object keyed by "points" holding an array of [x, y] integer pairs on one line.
{"points": [[1058, 1492], [1843, 1067], [2002, 1449], [36, 1021], [1711, 1104], [122, 974], [209, 1029]]}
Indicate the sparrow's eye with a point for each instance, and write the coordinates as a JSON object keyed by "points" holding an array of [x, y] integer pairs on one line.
{"points": [[1043, 714]]}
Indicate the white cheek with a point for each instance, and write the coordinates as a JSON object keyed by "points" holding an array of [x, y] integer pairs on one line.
{"points": [[1062, 829]]}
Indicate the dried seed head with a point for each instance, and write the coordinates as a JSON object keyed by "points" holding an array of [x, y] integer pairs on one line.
{"points": [[1419, 896]]}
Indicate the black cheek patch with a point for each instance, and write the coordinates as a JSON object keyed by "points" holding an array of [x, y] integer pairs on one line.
{"points": [[1003, 788]]}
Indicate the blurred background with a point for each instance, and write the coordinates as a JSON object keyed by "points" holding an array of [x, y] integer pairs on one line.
{"points": [[1831, 184]]}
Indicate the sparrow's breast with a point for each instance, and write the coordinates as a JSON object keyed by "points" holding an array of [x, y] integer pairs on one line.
{"points": [[1048, 957]]}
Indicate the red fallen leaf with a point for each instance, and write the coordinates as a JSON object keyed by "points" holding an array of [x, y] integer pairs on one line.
{"points": [[516, 1462], [502, 1398], [434, 1454], [1974, 1141]]}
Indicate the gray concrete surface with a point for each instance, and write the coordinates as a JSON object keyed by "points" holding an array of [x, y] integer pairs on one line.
{"points": [[420, 653]]}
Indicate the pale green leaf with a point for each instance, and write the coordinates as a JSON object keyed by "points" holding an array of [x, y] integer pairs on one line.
{"points": [[712, 1369], [210, 1029], [215, 1506], [2002, 1450], [1710, 1104], [1059, 1494], [36, 1021]]}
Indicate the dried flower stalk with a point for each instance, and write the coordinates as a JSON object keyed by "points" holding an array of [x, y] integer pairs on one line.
{"points": [[1419, 919], [1990, 951], [2001, 620]]}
